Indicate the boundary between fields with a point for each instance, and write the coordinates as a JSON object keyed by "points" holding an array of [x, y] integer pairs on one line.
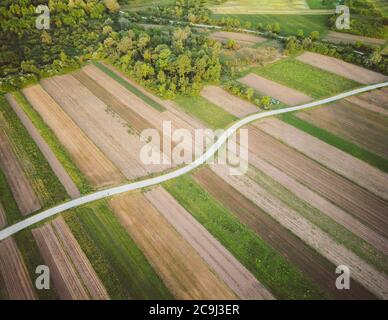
{"points": [[11, 230]]}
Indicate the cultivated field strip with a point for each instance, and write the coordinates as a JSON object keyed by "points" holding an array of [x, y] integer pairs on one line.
{"points": [[344, 164], [228, 102], [154, 117], [107, 130], [228, 268], [366, 275], [55, 165], [282, 93], [18, 284], [3, 218], [89, 159], [376, 101], [182, 270], [357, 201], [21, 187], [321, 203], [243, 39], [73, 276], [342, 68], [340, 37], [306, 259], [362, 127]]}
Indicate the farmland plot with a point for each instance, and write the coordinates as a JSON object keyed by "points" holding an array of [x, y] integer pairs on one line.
{"points": [[91, 161], [357, 201], [45, 149], [360, 126], [230, 103], [313, 265], [242, 39], [376, 101], [22, 190], [355, 170], [340, 37], [342, 68], [270, 88], [373, 280], [71, 271], [18, 285], [230, 270], [180, 267], [3, 218]]}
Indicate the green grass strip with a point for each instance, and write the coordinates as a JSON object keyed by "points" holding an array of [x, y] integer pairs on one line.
{"points": [[210, 114], [49, 136], [338, 232], [44, 181], [310, 80], [265, 263], [118, 261], [129, 86], [336, 141]]}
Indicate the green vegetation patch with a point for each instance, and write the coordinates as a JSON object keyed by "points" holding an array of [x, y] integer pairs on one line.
{"points": [[265, 263], [339, 233], [204, 110], [289, 24], [54, 144], [45, 183], [322, 4], [129, 86], [120, 264], [336, 141], [312, 81]]}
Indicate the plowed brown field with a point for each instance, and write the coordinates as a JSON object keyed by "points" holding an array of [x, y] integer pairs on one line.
{"points": [[183, 271], [18, 285], [91, 161], [228, 268]]}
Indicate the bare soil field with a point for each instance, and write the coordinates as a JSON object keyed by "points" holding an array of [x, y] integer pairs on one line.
{"points": [[376, 101], [55, 165], [3, 218], [243, 39], [105, 128], [18, 284], [369, 277], [307, 260], [228, 268], [89, 159], [344, 164], [183, 271], [360, 126], [228, 102], [339, 37], [362, 204], [72, 273], [321, 203], [342, 68], [270, 88], [21, 188]]}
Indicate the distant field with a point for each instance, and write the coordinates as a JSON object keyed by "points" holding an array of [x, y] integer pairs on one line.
{"points": [[143, 4], [305, 78], [318, 4], [289, 24]]}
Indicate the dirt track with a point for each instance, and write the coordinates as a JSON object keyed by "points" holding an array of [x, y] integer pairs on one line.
{"points": [[182, 270], [73, 276], [230, 270], [89, 159], [282, 93], [228, 102], [339, 37], [18, 284], [243, 39], [344, 164], [307, 260], [352, 123], [366, 275], [3, 218], [55, 165], [19, 184], [342, 68], [362, 204]]}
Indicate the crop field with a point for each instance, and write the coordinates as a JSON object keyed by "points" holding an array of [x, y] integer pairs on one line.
{"points": [[242, 39], [339, 37], [376, 101]]}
